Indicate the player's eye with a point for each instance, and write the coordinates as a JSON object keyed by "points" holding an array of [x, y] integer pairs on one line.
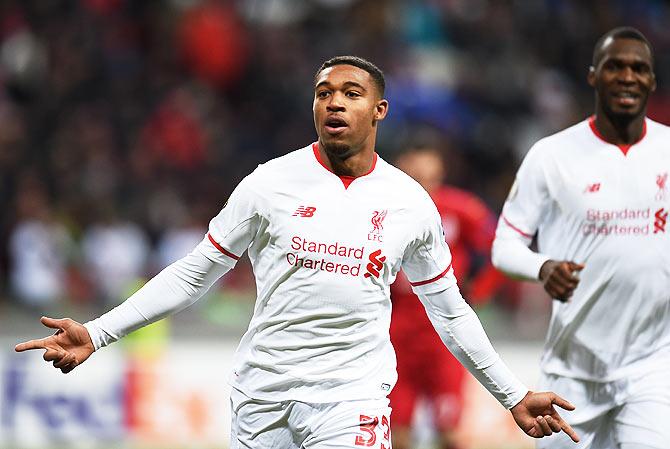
{"points": [[641, 68], [353, 94], [322, 94]]}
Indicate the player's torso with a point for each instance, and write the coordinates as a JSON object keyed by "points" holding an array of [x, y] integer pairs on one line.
{"points": [[338, 238], [605, 202], [609, 211]]}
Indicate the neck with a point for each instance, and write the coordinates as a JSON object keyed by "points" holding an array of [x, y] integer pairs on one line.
{"points": [[353, 163], [626, 131]]}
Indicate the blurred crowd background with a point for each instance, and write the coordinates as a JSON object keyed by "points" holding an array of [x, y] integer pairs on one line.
{"points": [[125, 125]]}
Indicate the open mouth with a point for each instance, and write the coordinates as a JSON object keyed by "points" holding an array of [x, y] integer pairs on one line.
{"points": [[335, 125], [626, 98]]}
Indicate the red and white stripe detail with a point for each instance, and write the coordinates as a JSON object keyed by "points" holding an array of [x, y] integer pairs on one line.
{"points": [[221, 248], [508, 223], [428, 281]]}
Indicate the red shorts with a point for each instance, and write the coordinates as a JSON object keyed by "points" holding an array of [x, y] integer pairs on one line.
{"points": [[430, 372]]}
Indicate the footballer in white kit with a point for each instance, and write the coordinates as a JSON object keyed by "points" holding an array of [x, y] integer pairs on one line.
{"points": [[600, 206], [316, 365]]}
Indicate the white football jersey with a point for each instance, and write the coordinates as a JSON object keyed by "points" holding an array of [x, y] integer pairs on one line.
{"points": [[324, 251], [605, 206]]}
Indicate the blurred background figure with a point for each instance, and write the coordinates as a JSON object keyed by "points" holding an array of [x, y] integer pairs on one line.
{"points": [[40, 248], [115, 254], [427, 372]]}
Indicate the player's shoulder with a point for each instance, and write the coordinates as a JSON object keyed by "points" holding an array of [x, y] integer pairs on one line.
{"points": [[562, 145], [564, 138], [655, 128], [282, 166]]}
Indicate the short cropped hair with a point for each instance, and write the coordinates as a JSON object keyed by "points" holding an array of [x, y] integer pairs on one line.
{"points": [[374, 71], [619, 33]]}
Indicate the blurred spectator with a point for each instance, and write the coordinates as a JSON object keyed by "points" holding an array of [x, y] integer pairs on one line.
{"points": [[39, 248], [122, 99], [115, 254]]}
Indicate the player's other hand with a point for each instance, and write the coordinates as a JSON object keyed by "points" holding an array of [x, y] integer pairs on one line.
{"points": [[536, 416], [560, 278], [69, 347]]}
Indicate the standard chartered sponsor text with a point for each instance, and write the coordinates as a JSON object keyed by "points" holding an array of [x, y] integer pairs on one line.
{"points": [[598, 222], [346, 257]]}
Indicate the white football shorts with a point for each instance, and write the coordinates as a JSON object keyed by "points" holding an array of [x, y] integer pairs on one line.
{"points": [[258, 424], [630, 412]]}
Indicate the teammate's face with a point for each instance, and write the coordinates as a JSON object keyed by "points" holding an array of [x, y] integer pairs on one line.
{"points": [[623, 78], [347, 107], [425, 167]]}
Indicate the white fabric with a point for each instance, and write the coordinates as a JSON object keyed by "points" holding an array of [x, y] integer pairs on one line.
{"points": [[611, 414], [259, 424], [458, 327], [590, 203], [323, 261]]}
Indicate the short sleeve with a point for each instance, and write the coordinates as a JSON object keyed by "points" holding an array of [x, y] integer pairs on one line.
{"points": [[427, 259], [235, 227], [526, 203]]}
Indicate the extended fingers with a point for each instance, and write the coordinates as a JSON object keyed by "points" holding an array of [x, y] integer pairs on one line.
{"points": [[556, 399], [569, 431], [54, 323], [40, 343]]}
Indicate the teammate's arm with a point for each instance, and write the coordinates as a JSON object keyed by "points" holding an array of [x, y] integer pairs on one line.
{"points": [[524, 209]]}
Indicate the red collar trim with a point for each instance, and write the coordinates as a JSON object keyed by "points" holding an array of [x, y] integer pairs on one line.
{"points": [[346, 180], [624, 148]]}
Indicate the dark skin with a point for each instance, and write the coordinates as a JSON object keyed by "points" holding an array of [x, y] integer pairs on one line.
{"points": [[347, 108], [623, 78]]}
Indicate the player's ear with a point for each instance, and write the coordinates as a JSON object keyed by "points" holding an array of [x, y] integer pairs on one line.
{"points": [[381, 109], [591, 76], [653, 82]]}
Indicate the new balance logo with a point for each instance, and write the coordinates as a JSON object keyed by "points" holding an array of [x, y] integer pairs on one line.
{"points": [[592, 188], [376, 264], [304, 211]]}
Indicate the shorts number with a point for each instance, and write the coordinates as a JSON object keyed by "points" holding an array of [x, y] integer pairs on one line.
{"points": [[367, 426]]}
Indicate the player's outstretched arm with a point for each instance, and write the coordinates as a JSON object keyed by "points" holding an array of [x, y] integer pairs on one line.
{"points": [[68, 348], [560, 278], [536, 415]]}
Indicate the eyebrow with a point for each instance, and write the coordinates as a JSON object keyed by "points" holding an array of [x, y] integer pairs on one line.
{"points": [[345, 84]]}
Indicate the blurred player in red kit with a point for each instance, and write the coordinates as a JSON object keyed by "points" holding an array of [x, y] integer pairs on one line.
{"points": [[426, 369]]}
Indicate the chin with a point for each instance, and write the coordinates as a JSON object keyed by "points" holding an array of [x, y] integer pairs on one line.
{"points": [[624, 115], [338, 149]]}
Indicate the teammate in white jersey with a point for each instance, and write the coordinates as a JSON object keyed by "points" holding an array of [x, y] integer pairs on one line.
{"points": [[596, 196], [327, 228]]}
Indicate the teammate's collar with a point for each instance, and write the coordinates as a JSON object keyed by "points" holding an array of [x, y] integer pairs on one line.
{"points": [[623, 147]]}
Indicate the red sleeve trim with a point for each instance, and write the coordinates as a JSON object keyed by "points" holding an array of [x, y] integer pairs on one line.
{"points": [[525, 234], [416, 284], [221, 248]]}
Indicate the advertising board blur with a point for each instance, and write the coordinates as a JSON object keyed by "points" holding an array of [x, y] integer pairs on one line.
{"points": [[178, 396]]}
